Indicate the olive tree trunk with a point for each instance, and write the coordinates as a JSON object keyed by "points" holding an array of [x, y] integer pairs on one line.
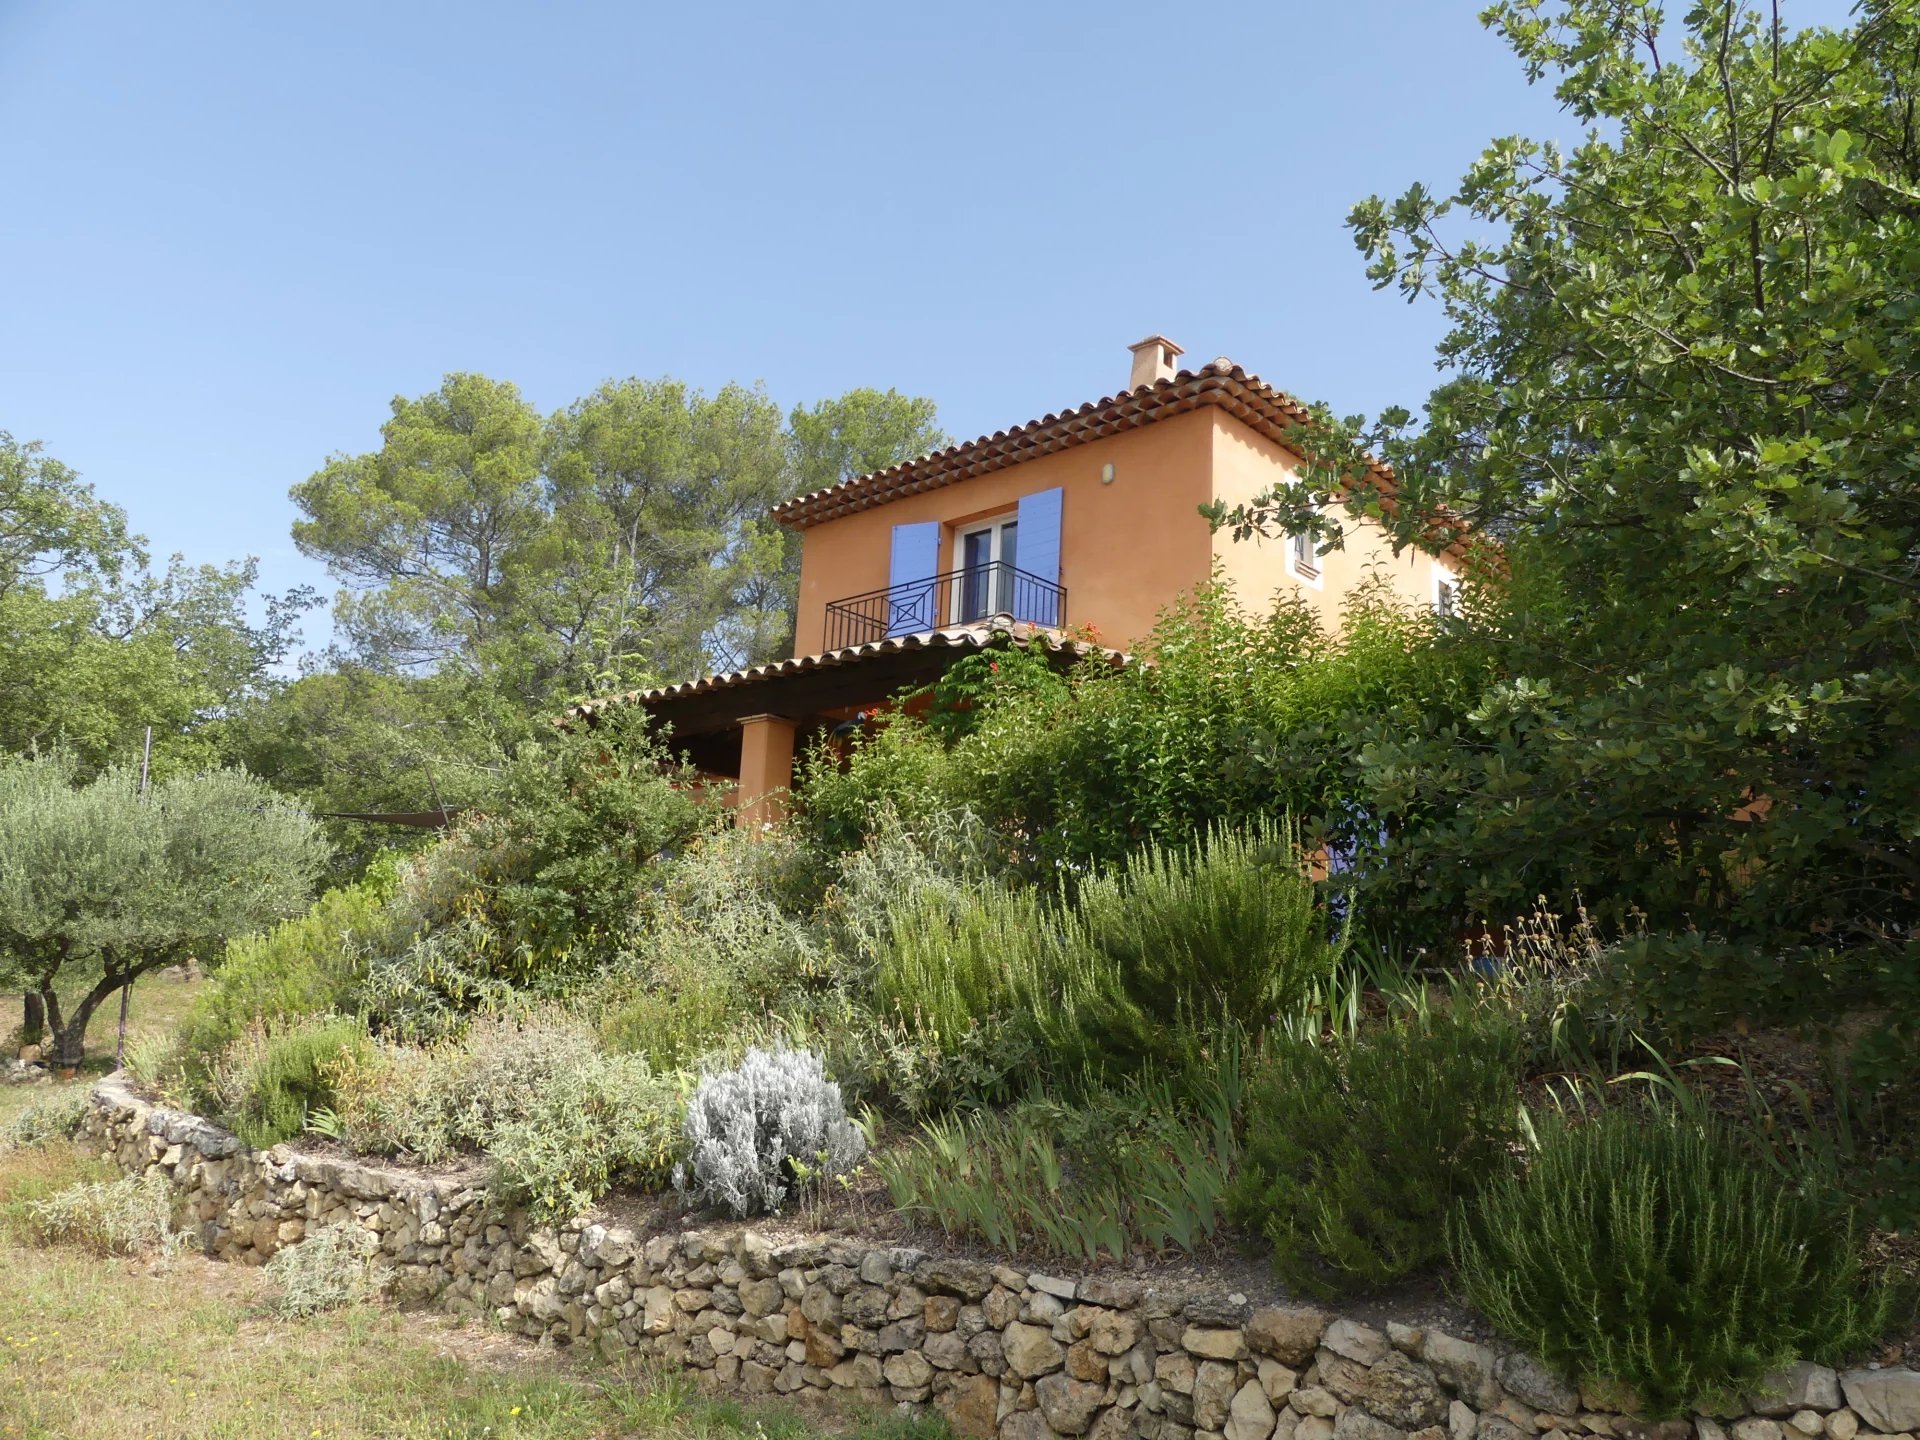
{"points": [[69, 1031], [33, 1020]]}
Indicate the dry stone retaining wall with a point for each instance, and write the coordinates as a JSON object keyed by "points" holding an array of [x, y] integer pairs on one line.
{"points": [[1005, 1355]]}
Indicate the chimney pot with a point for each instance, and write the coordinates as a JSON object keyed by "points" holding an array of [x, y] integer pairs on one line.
{"points": [[1153, 360]]}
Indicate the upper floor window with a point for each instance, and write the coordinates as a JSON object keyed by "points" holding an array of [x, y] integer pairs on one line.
{"points": [[1303, 558], [1306, 558], [985, 557], [1446, 592]]}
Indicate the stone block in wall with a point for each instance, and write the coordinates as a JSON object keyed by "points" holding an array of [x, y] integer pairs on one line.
{"points": [[1214, 1385], [1346, 1379], [1213, 1344], [1464, 1367], [967, 1279], [1288, 1333], [1031, 1350], [1804, 1386], [1000, 1306], [1277, 1380], [1533, 1383], [946, 1350], [864, 1305], [1069, 1405], [1357, 1424], [1404, 1393], [1885, 1400], [1351, 1340], [1113, 1332], [1250, 1414]]}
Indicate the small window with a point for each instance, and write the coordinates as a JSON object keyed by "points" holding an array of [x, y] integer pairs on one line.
{"points": [[1446, 594], [1306, 557]]}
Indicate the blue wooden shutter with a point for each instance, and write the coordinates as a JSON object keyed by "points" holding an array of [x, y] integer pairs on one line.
{"points": [[916, 560], [1040, 558]]}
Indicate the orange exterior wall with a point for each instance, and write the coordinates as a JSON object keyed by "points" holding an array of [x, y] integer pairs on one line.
{"points": [[1245, 463], [1126, 549], [766, 769]]}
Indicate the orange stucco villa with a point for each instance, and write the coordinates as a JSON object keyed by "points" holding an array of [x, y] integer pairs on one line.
{"points": [[1086, 522]]}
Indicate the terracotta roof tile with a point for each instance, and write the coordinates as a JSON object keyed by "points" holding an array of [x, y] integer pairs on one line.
{"points": [[957, 637], [1221, 383]]}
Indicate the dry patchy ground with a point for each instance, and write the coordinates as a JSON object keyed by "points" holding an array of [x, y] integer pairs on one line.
{"points": [[95, 1346]]}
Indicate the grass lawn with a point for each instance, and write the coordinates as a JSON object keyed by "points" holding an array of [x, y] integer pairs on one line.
{"points": [[99, 1347]]}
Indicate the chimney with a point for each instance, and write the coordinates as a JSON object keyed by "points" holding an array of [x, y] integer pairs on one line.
{"points": [[1152, 360]]}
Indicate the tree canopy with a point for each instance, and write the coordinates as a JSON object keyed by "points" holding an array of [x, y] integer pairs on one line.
{"points": [[95, 645], [99, 885], [623, 539], [1683, 381]]}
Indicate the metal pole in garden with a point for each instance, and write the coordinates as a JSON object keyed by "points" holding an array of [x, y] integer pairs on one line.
{"points": [[126, 991]]}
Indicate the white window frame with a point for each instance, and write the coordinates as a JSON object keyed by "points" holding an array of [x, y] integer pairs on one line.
{"points": [[1314, 578], [1445, 583], [993, 523]]}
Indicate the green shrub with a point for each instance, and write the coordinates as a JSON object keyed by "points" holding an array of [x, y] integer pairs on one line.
{"points": [[561, 1119], [724, 913], [332, 1267], [435, 1100], [269, 1081], [950, 853], [41, 1121], [430, 987], [902, 771], [1658, 1250], [1135, 972], [1146, 1168], [132, 1215], [572, 833], [670, 1022], [1184, 940], [606, 1120], [959, 963], [309, 965], [1232, 716], [1358, 1147]]}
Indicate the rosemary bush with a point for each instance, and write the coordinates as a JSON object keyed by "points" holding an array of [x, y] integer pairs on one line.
{"points": [[1184, 940], [1654, 1247], [1358, 1146]]}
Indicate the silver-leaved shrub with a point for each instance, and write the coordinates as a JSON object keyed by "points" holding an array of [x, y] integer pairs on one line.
{"points": [[762, 1130], [333, 1266]]}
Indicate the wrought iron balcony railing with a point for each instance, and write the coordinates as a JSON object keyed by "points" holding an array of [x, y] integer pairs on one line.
{"points": [[959, 597]]}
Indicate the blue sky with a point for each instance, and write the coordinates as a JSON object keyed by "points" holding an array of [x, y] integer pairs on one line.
{"points": [[233, 233]]}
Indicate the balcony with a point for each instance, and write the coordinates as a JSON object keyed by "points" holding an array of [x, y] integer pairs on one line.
{"points": [[959, 597]]}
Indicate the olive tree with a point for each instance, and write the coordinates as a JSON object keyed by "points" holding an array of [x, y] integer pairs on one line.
{"points": [[99, 885]]}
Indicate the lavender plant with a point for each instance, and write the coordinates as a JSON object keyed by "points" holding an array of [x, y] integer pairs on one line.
{"points": [[761, 1131]]}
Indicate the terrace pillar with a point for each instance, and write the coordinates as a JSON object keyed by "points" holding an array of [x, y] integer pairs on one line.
{"points": [[766, 770]]}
